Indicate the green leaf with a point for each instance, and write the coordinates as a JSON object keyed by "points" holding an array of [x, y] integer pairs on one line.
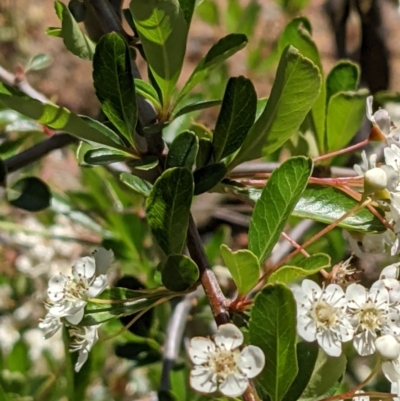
{"points": [[145, 164], [162, 29], [296, 87], [114, 84], [131, 302], [346, 111], [18, 360], [236, 117], [187, 7], [178, 273], [272, 327], [196, 107], [104, 156], [39, 62], [277, 201], [344, 77], [60, 118], [136, 183], [183, 151], [308, 266], [74, 39], [30, 194], [222, 50], [205, 152], [307, 354], [327, 371], [208, 177], [147, 91], [243, 266], [3, 173], [168, 208], [208, 11]]}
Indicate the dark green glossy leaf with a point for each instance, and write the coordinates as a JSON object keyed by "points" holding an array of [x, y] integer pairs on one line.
{"points": [[306, 267], [235, 118], [74, 39], [39, 62], [272, 327], [168, 208], [187, 7], [104, 156], [295, 90], [205, 152], [307, 354], [196, 107], [243, 266], [277, 201], [178, 273], [145, 164], [131, 302], [207, 177], [183, 151], [222, 50], [162, 29], [147, 91], [344, 77], [136, 183], [345, 113], [114, 84], [30, 194]]}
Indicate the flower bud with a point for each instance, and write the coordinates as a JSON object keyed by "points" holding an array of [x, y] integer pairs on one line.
{"points": [[375, 179], [387, 347]]}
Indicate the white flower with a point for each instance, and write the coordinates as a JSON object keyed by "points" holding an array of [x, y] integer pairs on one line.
{"points": [[50, 324], [86, 337], [379, 119], [370, 243], [219, 364], [370, 315], [321, 316]]}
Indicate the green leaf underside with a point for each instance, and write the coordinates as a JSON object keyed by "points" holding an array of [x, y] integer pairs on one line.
{"points": [[272, 327], [235, 118], [179, 273], [243, 266], [146, 90], [132, 302], [325, 204], [74, 39], [296, 87], [162, 29], [276, 203], [222, 50], [307, 267], [104, 156], [60, 118], [183, 151], [344, 77], [168, 208], [39, 62], [208, 177], [196, 107], [136, 183], [114, 84], [346, 111]]}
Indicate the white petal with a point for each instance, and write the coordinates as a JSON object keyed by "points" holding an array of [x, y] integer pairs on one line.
{"points": [[203, 379], [346, 330], [391, 271], [364, 343], [234, 385], [251, 361], [382, 120], [387, 347], [103, 259], [84, 268], [390, 371], [356, 295], [392, 158], [306, 328], [311, 288], [56, 287], [76, 318], [98, 286], [370, 100], [228, 336], [200, 349], [329, 343], [335, 296], [82, 358]]}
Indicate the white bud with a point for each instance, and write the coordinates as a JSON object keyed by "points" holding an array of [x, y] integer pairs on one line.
{"points": [[374, 180], [387, 347]]}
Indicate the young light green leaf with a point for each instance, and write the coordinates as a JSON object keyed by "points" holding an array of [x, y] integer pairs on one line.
{"points": [[168, 208], [147, 91], [74, 39], [277, 201], [308, 266], [243, 266], [327, 371], [104, 156], [196, 107], [346, 111], [39, 62], [344, 77], [178, 273], [222, 50], [296, 87], [207, 177], [162, 29], [54, 32], [114, 84], [272, 327], [183, 151], [307, 354], [235, 118], [136, 183]]}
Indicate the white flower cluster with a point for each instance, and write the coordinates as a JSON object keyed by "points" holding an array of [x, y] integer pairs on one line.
{"points": [[368, 317], [68, 295], [383, 182]]}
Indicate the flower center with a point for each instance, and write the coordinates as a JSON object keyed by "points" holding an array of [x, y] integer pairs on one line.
{"points": [[76, 290], [224, 362], [325, 314], [370, 317]]}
